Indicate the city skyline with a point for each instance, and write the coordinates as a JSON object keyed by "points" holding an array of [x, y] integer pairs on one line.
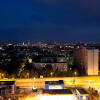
{"points": [[52, 20]]}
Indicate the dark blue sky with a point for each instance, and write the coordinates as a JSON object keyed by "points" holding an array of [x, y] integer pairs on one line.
{"points": [[49, 20]]}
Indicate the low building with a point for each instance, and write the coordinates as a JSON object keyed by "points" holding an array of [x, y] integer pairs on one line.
{"points": [[54, 84], [57, 63], [7, 87], [61, 67], [61, 94]]}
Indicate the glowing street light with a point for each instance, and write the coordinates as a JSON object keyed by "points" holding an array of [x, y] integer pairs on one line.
{"points": [[2, 75], [33, 82], [75, 73], [51, 74]]}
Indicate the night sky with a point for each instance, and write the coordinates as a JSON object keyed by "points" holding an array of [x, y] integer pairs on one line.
{"points": [[50, 20]]}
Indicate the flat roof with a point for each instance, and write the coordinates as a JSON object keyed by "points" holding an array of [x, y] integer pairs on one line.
{"points": [[7, 82], [58, 91], [54, 82]]}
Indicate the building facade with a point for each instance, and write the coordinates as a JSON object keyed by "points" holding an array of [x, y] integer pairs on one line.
{"points": [[87, 59], [61, 67]]}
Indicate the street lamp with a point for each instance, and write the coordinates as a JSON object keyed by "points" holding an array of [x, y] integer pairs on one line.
{"points": [[2, 75], [75, 73], [70, 69], [33, 82], [51, 74], [27, 74]]}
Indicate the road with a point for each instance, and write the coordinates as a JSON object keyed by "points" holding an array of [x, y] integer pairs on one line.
{"points": [[93, 81], [84, 82]]}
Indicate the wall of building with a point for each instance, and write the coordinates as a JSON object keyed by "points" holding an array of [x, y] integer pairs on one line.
{"points": [[87, 59], [83, 82], [93, 63], [60, 66]]}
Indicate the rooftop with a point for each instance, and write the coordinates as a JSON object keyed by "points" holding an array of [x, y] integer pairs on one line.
{"points": [[54, 82], [58, 91], [7, 82]]}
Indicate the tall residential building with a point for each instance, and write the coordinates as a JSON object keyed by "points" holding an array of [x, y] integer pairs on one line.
{"points": [[87, 59]]}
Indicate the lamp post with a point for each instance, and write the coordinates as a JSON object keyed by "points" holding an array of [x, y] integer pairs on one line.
{"points": [[27, 74], [33, 82], [51, 74], [2, 75], [75, 73]]}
